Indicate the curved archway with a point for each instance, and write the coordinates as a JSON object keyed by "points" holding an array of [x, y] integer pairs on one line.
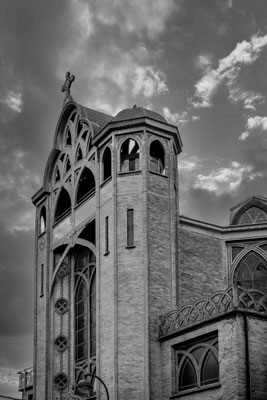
{"points": [[63, 206], [157, 157], [86, 185], [129, 156]]}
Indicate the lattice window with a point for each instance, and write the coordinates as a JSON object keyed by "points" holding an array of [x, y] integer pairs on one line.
{"points": [[251, 272], [254, 215], [61, 381], [62, 306], [61, 343], [197, 364], [63, 270]]}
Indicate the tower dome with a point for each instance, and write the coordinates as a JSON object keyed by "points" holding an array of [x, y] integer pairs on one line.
{"points": [[138, 112]]}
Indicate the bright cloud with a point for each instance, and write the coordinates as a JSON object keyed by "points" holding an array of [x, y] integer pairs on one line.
{"points": [[256, 123], [14, 101], [228, 70], [226, 179], [176, 118], [149, 81]]}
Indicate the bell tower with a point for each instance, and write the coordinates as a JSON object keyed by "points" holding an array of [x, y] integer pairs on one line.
{"points": [[106, 253]]}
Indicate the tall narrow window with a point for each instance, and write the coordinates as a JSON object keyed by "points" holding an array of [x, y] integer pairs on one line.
{"points": [[42, 227], [157, 159], [106, 162], [106, 235], [42, 280], [63, 207], [86, 185], [130, 227], [85, 305]]}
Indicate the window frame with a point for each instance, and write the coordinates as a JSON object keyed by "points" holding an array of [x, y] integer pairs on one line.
{"points": [[206, 344]]}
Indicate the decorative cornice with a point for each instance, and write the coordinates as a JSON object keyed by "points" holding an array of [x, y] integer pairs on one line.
{"points": [[234, 298]]}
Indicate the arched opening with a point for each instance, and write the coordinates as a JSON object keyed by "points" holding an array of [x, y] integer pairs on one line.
{"points": [[42, 223], [73, 116], [129, 156], [251, 272], [80, 128], [67, 165], [79, 154], [157, 157], [63, 207], [210, 369], [106, 163], [86, 185], [187, 375], [68, 138]]}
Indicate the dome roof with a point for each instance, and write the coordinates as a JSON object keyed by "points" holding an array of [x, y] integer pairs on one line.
{"points": [[138, 112]]}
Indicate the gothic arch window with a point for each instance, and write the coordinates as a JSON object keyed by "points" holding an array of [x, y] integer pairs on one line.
{"points": [[129, 156], [106, 163], [79, 154], [197, 364], [85, 305], [86, 185], [63, 205], [67, 165], [253, 215], [68, 138], [42, 223], [157, 157], [84, 135], [251, 272]]}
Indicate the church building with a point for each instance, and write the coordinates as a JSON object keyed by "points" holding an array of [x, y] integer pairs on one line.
{"points": [[134, 301]]}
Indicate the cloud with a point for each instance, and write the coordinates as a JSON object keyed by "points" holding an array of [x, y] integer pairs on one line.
{"points": [[148, 81], [14, 101], [228, 70], [136, 17], [178, 118], [227, 179], [190, 164], [254, 124]]}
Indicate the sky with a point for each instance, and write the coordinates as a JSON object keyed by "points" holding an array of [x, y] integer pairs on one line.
{"points": [[200, 63]]}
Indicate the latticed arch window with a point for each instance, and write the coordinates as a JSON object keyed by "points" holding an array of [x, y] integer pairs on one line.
{"points": [[197, 364], [129, 156], [157, 157], [251, 272], [253, 215], [85, 305], [86, 185]]}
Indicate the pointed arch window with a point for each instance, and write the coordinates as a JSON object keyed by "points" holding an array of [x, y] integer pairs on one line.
{"points": [[68, 138], [85, 305], [106, 162], [157, 157], [80, 128], [197, 364], [86, 185], [67, 165], [42, 223], [73, 117], [251, 272], [79, 154], [63, 206], [129, 156]]}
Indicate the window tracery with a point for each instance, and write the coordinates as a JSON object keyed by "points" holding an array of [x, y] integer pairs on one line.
{"points": [[251, 272], [197, 364], [63, 205], [254, 215]]}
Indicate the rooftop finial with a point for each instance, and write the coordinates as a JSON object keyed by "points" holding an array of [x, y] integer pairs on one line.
{"points": [[69, 78]]}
